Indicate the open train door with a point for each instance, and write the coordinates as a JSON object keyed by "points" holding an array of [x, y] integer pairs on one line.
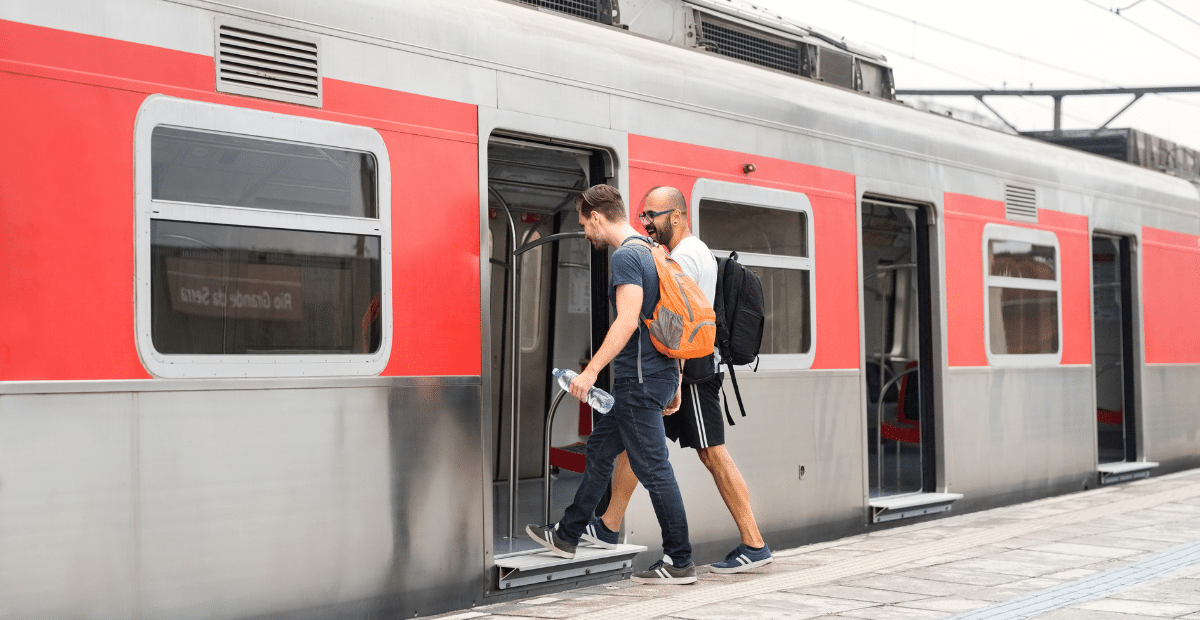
{"points": [[898, 331], [1115, 364], [547, 307]]}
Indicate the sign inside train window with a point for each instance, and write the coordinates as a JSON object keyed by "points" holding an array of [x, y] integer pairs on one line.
{"points": [[236, 290]]}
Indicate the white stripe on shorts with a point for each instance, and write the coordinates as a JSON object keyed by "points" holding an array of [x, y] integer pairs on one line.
{"points": [[702, 433]]}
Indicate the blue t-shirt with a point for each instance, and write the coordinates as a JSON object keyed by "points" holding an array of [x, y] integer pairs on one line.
{"points": [[633, 263]]}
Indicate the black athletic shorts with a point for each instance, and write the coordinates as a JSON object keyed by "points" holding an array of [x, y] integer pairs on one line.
{"points": [[700, 421]]}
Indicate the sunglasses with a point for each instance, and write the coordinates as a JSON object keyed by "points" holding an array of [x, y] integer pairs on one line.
{"points": [[647, 216]]}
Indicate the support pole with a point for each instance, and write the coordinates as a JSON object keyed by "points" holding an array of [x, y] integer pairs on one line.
{"points": [[1058, 115]]}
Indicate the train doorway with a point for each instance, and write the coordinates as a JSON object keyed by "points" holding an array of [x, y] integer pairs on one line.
{"points": [[898, 336], [542, 314], [1112, 325]]}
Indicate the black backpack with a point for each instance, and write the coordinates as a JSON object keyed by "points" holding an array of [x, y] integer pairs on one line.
{"points": [[740, 318]]}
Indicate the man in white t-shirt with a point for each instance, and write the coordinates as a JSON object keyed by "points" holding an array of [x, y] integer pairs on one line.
{"points": [[699, 422]]}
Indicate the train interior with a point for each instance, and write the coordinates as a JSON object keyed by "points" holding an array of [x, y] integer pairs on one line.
{"points": [[541, 265], [897, 390], [1113, 365]]}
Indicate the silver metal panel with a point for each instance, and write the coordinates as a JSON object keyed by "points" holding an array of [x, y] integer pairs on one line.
{"points": [[262, 500], [1012, 433], [239, 503], [159, 24], [793, 419], [527, 95], [1169, 418], [68, 545]]}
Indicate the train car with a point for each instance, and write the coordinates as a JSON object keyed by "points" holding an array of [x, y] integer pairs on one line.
{"points": [[284, 283]]}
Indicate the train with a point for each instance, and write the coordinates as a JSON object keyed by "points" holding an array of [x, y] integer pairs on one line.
{"points": [[284, 282]]}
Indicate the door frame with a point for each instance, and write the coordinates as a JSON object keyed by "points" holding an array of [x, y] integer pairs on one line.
{"points": [[932, 322], [1133, 358], [537, 129]]}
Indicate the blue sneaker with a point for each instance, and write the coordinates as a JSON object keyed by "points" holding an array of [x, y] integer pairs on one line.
{"points": [[598, 535], [743, 558]]}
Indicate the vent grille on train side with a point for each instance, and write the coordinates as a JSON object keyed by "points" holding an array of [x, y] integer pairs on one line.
{"points": [[270, 63], [836, 68], [729, 40], [1020, 203], [587, 9]]}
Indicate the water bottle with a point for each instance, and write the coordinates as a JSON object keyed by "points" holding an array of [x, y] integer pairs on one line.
{"points": [[599, 399]]}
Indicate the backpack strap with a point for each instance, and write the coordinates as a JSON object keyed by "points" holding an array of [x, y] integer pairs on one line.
{"points": [[638, 334], [736, 392]]}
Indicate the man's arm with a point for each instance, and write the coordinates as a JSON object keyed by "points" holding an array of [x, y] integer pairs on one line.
{"points": [[629, 307]]}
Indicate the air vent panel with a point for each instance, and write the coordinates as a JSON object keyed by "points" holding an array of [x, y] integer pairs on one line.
{"points": [[836, 68], [1020, 203], [740, 43], [587, 9], [268, 63]]}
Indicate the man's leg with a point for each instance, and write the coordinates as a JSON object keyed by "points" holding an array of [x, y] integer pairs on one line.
{"points": [[602, 447], [623, 484], [645, 442], [733, 490]]}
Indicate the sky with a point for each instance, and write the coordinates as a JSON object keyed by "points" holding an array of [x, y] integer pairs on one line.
{"points": [[1046, 44]]}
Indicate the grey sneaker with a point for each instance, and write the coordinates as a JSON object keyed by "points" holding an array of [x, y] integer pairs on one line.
{"points": [[663, 573], [547, 536]]}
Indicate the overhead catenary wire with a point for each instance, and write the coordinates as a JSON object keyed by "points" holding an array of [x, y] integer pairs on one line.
{"points": [[1176, 11], [1032, 102], [1137, 25], [978, 43], [1022, 57]]}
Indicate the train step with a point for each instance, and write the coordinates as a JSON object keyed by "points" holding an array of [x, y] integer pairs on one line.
{"points": [[1112, 473], [537, 567], [911, 505]]}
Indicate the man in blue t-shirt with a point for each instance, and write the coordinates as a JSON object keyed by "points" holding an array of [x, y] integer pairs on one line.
{"points": [[645, 382]]}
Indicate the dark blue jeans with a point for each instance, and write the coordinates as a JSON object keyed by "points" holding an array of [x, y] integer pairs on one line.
{"points": [[634, 426]]}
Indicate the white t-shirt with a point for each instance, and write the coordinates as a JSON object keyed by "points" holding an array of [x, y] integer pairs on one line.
{"points": [[698, 263]]}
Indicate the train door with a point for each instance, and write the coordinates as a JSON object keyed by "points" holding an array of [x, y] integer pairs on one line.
{"points": [[540, 307], [898, 337], [1115, 368]]}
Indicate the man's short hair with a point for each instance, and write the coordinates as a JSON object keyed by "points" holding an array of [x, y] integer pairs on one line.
{"points": [[602, 198]]}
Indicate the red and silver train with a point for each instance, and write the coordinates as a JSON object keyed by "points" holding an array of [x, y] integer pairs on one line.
{"points": [[283, 283]]}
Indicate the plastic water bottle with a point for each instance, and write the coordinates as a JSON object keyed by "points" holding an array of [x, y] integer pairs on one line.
{"points": [[599, 399]]}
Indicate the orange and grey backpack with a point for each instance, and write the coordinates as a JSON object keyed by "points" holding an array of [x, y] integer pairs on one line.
{"points": [[683, 325]]}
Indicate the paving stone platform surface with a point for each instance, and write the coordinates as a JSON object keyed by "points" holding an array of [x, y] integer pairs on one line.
{"points": [[1123, 552]]}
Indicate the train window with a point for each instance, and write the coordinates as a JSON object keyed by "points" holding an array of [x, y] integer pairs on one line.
{"points": [[771, 231], [238, 171], [262, 243], [1023, 314]]}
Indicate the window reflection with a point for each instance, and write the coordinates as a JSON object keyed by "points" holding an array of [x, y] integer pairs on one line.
{"points": [[749, 230], [1022, 308], [746, 228], [239, 171], [785, 300], [1018, 259], [1022, 320], [222, 289]]}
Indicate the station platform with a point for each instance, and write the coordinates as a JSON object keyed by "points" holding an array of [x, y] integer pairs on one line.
{"points": [[1119, 552]]}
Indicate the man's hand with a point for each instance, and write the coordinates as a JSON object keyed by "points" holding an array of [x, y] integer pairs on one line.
{"points": [[673, 406], [582, 384]]}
